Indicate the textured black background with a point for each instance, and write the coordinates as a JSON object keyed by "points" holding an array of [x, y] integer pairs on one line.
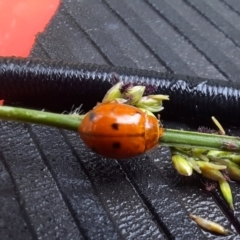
{"points": [[53, 187]]}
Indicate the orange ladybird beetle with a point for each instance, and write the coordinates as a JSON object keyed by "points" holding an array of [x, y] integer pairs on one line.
{"points": [[118, 131]]}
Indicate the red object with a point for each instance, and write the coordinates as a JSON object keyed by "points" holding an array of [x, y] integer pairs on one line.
{"points": [[117, 130], [20, 22], [1, 102]]}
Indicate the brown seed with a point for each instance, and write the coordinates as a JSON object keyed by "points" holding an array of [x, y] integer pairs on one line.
{"points": [[209, 225]]}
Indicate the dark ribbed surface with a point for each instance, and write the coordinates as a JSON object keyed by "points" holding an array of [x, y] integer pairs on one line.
{"points": [[53, 187], [61, 86]]}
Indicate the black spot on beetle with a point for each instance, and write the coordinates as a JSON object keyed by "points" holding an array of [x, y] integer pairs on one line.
{"points": [[92, 116], [115, 126], [116, 145], [137, 112]]}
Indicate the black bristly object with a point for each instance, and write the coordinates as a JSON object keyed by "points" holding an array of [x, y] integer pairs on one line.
{"points": [[60, 86]]}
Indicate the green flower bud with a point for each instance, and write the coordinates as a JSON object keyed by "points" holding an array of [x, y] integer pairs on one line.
{"points": [[212, 174], [233, 171], [120, 100], [202, 157], [159, 97], [234, 157], [198, 151], [200, 154], [148, 112], [134, 94], [113, 93], [214, 153], [208, 165], [182, 165], [226, 192], [193, 164], [152, 103]]}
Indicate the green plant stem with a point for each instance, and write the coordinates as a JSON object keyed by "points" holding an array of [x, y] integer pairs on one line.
{"points": [[187, 139], [176, 138], [65, 121]]}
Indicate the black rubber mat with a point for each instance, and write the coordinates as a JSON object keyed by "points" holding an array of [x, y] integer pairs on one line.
{"points": [[53, 187]]}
